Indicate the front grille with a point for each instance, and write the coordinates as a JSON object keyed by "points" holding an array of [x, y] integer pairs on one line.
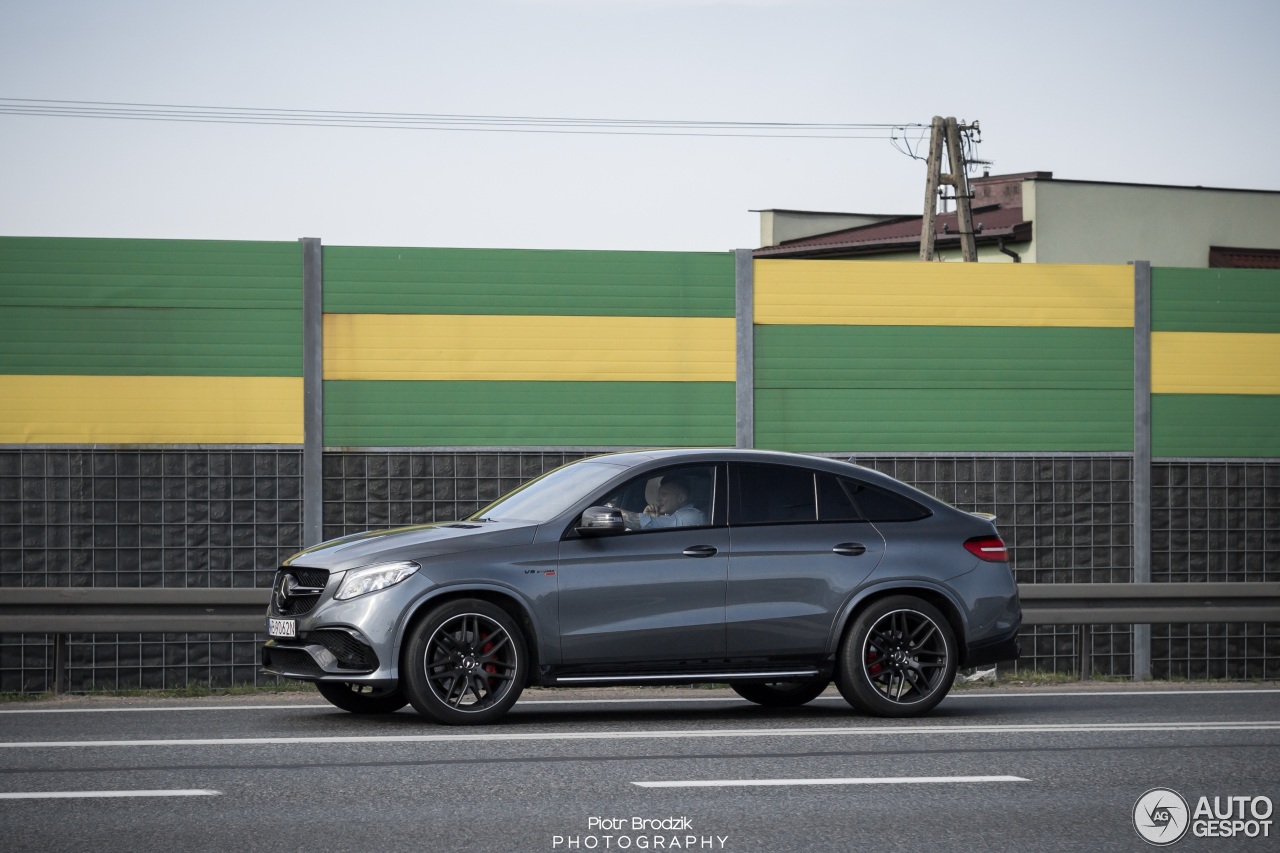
{"points": [[310, 577], [350, 652], [298, 604], [295, 606], [292, 661]]}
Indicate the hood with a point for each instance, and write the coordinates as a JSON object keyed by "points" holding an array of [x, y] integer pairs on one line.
{"points": [[412, 543]]}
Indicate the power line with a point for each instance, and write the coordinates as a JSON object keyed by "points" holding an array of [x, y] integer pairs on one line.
{"points": [[445, 121]]}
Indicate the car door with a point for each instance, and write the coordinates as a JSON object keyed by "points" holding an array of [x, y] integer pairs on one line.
{"points": [[651, 598], [798, 547]]}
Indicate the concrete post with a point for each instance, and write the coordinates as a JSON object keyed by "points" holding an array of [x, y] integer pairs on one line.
{"points": [[1142, 455], [745, 314]]}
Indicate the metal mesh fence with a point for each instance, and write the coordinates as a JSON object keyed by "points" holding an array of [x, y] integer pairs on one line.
{"points": [[226, 518], [1215, 521], [366, 490], [1239, 651], [148, 518]]}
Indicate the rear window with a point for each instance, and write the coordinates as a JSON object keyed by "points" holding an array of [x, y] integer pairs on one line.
{"points": [[877, 504], [846, 499]]}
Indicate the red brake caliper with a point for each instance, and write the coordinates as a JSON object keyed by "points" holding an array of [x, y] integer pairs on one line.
{"points": [[485, 648], [872, 667]]}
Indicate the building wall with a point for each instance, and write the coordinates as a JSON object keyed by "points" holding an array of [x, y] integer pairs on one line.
{"points": [[1079, 222]]}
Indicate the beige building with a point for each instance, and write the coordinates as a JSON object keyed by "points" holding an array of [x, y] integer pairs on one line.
{"points": [[1034, 218]]}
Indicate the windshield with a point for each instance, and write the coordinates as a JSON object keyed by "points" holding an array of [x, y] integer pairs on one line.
{"points": [[549, 495]]}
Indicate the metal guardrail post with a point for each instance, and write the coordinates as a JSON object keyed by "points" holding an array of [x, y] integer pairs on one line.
{"points": [[61, 644], [1084, 650]]}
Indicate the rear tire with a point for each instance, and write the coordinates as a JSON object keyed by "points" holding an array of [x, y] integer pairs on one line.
{"points": [[898, 659], [781, 694], [361, 698], [465, 663]]}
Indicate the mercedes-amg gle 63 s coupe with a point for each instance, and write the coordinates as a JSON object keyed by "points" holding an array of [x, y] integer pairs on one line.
{"points": [[773, 573]]}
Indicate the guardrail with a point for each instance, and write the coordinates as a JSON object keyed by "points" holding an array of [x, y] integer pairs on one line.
{"points": [[86, 610]]}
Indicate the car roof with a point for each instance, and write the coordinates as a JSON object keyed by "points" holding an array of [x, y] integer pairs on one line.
{"points": [[630, 458]]}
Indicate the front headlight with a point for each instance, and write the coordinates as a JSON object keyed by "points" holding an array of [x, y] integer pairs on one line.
{"points": [[374, 578]]}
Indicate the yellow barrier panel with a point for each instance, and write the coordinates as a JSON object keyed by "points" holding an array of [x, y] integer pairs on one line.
{"points": [[1215, 363], [528, 348], [881, 293], [150, 410]]}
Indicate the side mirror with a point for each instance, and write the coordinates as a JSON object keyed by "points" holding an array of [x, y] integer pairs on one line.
{"points": [[601, 521]]}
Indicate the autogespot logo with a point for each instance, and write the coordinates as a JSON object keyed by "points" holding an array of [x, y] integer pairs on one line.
{"points": [[1161, 816]]}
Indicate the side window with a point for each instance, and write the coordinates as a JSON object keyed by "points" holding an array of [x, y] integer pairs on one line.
{"points": [[771, 494], [878, 504], [835, 499], [675, 497]]}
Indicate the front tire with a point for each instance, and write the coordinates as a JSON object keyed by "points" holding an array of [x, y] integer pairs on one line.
{"points": [[362, 699], [781, 694], [898, 659], [466, 663]]}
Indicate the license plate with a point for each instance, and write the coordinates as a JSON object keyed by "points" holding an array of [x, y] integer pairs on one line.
{"points": [[282, 627]]}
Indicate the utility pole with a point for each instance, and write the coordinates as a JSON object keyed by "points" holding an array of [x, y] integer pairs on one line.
{"points": [[947, 131]]}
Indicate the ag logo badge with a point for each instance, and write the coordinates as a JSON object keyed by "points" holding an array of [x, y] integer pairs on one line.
{"points": [[1161, 817]]}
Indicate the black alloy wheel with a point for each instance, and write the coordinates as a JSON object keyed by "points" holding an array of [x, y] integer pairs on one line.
{"points": [[465, 663], [781, 694], [362, 698], [898, 659]]}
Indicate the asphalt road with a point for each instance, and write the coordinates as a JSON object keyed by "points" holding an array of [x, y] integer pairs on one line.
{"points": [[682, 769]]}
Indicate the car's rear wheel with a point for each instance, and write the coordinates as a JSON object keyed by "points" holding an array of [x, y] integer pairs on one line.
{"points": [[781, 694], [465, 663], [898, 659], [362, 698]]}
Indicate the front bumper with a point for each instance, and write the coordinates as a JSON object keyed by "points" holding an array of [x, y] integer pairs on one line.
{"points": [[326, 653]]}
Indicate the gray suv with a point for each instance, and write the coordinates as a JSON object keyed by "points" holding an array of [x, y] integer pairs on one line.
{"points": [[772, 572]]}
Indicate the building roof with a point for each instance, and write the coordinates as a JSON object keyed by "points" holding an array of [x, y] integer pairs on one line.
{"points": [[993, 224]]}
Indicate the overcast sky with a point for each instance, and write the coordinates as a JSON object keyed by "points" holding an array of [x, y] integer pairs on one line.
{"points": [[1149, 91]]}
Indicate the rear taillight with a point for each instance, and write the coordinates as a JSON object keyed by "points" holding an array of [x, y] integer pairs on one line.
{"points": [[989, 548]]}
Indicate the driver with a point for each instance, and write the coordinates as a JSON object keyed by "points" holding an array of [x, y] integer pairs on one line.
{"points": [[671, 509]]}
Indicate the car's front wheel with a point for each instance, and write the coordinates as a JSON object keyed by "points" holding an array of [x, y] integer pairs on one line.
{"points": [[781, 694], [465, 663], [361, 698], [898, 659]]}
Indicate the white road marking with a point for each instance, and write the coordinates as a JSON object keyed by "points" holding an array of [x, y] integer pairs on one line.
{"points": [[682, 734], [75, 795], [774, 783], [835, 697]]}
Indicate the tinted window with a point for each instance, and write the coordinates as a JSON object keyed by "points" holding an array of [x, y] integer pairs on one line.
{"points": [[772, 494], [883, 505], [835, 501]]}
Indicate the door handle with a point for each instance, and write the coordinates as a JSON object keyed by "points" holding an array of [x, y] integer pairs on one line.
{"points": [[850, 549], [701, 551]]}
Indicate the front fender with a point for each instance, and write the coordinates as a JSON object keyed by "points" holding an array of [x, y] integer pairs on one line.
{"points": [[543, 638]]}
